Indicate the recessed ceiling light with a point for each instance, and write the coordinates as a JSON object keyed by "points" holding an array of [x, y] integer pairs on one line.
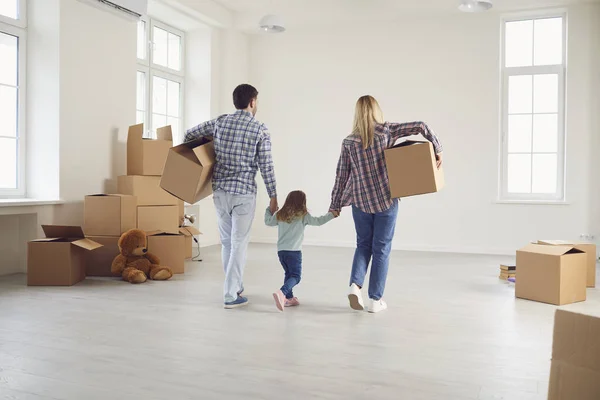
{"points": [[475, 5], [272, 24]]}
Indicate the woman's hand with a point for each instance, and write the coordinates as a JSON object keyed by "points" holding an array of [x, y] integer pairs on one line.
{"points": [[336, 213], [438, 158]]}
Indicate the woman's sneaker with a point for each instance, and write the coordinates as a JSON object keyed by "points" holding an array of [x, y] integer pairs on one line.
{"points": [[279, 298], [293, 302], [377, 305], [239, 302], [355, 298]]}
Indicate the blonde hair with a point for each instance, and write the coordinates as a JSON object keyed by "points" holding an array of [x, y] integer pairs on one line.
{"points": [[366, 116]]}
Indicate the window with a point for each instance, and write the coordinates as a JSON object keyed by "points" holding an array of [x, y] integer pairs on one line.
{"points": [[160, 77], [533, 109], [12, 98]]}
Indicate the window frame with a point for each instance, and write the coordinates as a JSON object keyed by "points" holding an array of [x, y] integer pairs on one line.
{"points": [[17, 28], [505, 73], [150, 69]]}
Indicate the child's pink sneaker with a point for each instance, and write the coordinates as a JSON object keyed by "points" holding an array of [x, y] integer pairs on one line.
{"points": [[293, 302], [279, 300]]}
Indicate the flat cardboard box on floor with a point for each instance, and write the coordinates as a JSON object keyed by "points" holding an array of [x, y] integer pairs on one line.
{"points": [[587, 248], [147, 190], [169, 249], [109, 214], [188, 171], [98, 262], [575, 370], [158, 218], [147, 156], [59, 259], [551, 274], [189, 232], [412, 169]]}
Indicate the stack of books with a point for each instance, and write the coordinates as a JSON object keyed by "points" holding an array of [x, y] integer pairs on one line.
{"points": [[507, 271]]}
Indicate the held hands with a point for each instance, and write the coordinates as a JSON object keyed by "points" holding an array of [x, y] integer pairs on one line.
{"points": [[438, 158], [335, 213], [273, 206]]}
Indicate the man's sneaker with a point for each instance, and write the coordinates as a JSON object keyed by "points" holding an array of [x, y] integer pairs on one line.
{"points": [[293, 302], [239, 302], [376, 305], [355, 298], [279, 300]]}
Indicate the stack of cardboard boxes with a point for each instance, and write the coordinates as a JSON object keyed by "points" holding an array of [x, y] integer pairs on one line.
{"points": [[140, 203]]}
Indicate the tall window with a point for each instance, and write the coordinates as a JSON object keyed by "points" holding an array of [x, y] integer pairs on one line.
{"points": [[533, 109], [12, 98], [160, 77]]}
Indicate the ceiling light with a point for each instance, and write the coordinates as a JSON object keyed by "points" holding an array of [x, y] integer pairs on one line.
{"points": [[475, 5], [272, 24]]}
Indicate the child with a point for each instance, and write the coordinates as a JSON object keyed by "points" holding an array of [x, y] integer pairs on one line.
{"points": [[291, 221]]}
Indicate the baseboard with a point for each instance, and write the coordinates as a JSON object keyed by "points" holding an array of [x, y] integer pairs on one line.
{"points": [[420, 248]]}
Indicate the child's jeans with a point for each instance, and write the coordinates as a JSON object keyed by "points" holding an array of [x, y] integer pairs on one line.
{"points": [[292, 265]]}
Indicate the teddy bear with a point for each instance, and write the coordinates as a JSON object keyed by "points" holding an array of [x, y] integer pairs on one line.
{"points": [[134, 263]]}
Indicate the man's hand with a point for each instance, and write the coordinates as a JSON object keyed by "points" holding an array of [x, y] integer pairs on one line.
{"points": [[336, 213], [438, 157], [274, 207]]}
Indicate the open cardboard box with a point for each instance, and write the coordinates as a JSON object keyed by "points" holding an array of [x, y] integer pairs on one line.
{"points": [[169, 248], [188, 172], [98, 262], [59, 259], [147, 156], [575, 370], [412, 169], [109, 214], [551, 274], [588, 248]]}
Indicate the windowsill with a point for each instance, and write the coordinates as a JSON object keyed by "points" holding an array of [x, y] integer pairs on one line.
{"points": [[28, 202], [534, 202]]}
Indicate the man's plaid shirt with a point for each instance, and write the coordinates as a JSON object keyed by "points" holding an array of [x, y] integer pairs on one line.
{"points": [[242, 147]]}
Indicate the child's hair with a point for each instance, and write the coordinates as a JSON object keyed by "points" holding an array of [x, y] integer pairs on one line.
{"points": [[294, 207]]}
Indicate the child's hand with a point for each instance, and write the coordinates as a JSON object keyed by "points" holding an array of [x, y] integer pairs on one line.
{"points": [[335, 213]]}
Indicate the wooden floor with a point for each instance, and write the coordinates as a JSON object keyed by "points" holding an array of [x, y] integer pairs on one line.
{"points": [[453, 331]]}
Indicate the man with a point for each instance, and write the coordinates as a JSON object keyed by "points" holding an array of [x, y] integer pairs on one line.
{"points": [[242, 147]]}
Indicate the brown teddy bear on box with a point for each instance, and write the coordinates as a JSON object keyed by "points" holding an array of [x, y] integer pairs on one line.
{"points": [[134, 263]]}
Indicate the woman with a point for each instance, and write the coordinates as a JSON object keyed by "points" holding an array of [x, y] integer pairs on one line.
{"points": [[362, 182]]}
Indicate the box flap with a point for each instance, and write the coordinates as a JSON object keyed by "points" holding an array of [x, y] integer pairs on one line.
{"points": [[87, 244], [46, 240], [549, 250], [189, 231], [162, 233], [164, 133], [205, 154], [109, 195], [57, 231], [136, 132]]}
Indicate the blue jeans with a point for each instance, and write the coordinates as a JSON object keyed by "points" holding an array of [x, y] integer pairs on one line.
{"points": [[374, 234], [292, 265], [235, 214]]}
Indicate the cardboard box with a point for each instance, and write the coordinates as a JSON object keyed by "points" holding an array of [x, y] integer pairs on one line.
{"points": [[169, 249], [109, 214], [147, 156], [188, 171], [59, 259], [189, 232], [412, 170], [158, 218], [587, 248], [147, 190], [98, 262], [575, 370], [551, 274], [181, 204]]}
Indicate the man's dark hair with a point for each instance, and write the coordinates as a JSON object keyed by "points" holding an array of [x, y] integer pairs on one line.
{"points": [[243, 95]]}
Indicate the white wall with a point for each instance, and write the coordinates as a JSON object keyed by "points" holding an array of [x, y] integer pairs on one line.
{"points": [[443, 71], [81, 99]]}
